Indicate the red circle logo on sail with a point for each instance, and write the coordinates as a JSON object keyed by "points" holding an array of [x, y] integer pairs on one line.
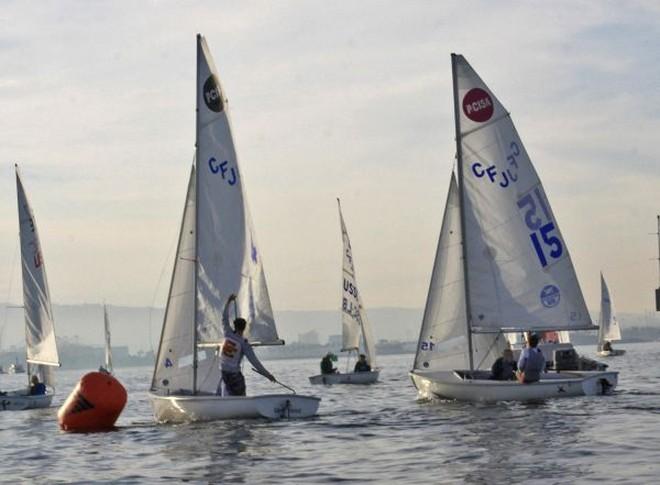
{"points": [[212, 94], [478, 105]]}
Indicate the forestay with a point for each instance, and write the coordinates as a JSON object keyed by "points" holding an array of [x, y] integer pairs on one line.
{"points": [[39, 327], [443, 340], [520, 274], [609, 329], [354, 317]]}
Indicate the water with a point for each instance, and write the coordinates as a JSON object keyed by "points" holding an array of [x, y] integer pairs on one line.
{"points": [[376, 433]]}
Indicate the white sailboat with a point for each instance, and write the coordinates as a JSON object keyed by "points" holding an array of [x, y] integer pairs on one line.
{"points": [[501, 264], [217, 255], [354, 323], [107, 361], [41, 347], [609, 330]]}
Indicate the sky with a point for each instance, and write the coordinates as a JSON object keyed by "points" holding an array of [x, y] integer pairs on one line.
{"points": [[327, 99]]}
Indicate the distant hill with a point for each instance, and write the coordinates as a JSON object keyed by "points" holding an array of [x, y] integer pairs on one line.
{"points": [[138, 328]]}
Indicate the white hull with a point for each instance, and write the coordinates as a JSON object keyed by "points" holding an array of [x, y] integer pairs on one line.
{"points": [[20, 401], [611, 353], [347, 378], [182, 409], [449, 385]]}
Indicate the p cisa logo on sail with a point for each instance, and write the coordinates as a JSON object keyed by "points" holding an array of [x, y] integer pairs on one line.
{"points": [[213, 95], [478, 105]]}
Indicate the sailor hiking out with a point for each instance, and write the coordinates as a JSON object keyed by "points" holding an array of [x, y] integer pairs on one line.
{"points": [[234, 347]]}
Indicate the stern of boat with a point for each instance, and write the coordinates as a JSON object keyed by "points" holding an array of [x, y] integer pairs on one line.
{"points": [[598, 383]]}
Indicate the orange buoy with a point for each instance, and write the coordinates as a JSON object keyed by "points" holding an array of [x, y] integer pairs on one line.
{"points": [[95, 403]]}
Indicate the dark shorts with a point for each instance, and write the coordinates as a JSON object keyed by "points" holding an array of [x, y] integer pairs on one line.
{"points": [[234, 383]]}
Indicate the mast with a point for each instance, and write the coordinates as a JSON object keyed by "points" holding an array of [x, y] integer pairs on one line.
{"points": [[461, 199], [195, 336]]}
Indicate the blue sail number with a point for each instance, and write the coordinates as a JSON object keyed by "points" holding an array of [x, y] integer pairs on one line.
{"points": [[538, 219]]}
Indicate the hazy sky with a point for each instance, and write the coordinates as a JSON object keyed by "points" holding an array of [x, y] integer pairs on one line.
{"points": [[349, 99]]}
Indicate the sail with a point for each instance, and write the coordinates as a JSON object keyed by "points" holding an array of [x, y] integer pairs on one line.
{"points": [[228, 257], [609, 329], [350, 304], [367, 335], [443, 339], [108, 348], [520, 274], [40, 340], [174, 361], [353, 315]]}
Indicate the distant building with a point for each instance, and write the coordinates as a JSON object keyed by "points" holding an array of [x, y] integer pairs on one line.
{"points": [[309, 338], [335, 341]]}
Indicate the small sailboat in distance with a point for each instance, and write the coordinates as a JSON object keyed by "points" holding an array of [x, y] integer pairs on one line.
{"points": [[354, 323], [217, 256], [41, 346], [502, 265], [609, 330], [107, 364]]}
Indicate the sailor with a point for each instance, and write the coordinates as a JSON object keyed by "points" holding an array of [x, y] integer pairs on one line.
{"points": [[532, 362], [37, 388], [326, 364], [234, 347], [504, 368], [607, 346], [362, 365]]}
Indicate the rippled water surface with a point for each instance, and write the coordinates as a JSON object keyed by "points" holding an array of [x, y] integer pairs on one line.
{"points": [[377, 433]]}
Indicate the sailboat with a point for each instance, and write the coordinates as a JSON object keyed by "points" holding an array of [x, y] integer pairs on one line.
{"points": [[41, 346], [501, 265], [217, 256], [354, 323], [609, 329], [107, 364], [16, 367]]}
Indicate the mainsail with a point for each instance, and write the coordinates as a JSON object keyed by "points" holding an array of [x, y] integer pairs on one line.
{"points": [[443, 339], [609, 329], [354, 317], [217, 253], [519, 272], [39, 327]]}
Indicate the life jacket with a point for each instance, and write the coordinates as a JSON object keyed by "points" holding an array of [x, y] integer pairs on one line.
{"points": [[231, 353]]}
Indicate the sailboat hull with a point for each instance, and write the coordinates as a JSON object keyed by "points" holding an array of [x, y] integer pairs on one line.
{"points": [[20, 401], [347, 378], [450, 385], [183, 409], [611, 353]]}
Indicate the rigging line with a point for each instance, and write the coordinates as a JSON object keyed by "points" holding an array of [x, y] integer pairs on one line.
{"points": [[11, 278], [153, 299]]}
